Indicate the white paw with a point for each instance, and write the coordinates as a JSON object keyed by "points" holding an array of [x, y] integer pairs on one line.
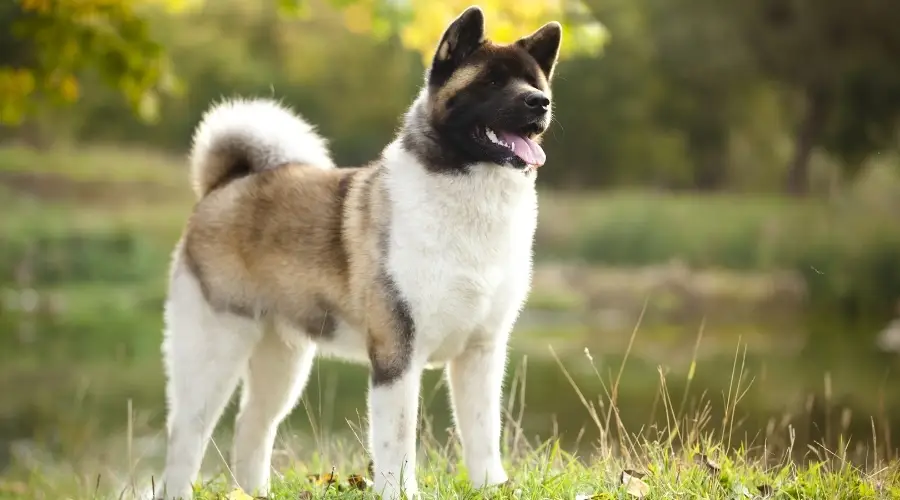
{"points": [[488, 476]]}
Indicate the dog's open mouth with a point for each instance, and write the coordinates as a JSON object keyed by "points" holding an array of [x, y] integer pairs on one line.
{"points": [[520, 144]]}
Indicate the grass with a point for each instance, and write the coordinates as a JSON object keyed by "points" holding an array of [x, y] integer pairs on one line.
{"points": [[688, 457]]}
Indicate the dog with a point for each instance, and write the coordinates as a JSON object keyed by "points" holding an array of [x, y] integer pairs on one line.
{"points": [[421, 259]]}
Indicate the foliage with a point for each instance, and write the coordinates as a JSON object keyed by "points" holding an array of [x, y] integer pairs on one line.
{"points": [[52, 43], [688, 94], [506, 22], [841, 63]]}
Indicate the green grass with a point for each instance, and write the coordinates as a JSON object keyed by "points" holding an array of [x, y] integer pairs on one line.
{"points": [[684, 458], [547, 472]]}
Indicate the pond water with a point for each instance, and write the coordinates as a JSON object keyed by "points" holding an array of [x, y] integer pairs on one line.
{"points": [[815, 378]]}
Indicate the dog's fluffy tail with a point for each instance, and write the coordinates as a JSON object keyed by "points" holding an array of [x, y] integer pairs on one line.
{"points": [[238, 137]]}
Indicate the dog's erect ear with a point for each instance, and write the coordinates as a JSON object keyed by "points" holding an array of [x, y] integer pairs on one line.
{"points": [[462, 37], [543, 45]]}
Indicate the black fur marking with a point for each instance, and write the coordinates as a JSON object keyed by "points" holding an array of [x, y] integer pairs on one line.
{"points": [[385, 371], [344, 188], [543, 45], [337, 226], [463, 37], [239, 169]]}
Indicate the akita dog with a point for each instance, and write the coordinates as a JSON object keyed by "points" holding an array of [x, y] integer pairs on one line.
{"points": [[421, 259]]}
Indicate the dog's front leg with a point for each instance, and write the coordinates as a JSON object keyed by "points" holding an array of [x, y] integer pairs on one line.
{"points": [[393, 415], [394, 383], [476, 382]]}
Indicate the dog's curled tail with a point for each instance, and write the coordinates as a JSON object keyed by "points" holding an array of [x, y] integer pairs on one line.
{"points": [[238, 137]]}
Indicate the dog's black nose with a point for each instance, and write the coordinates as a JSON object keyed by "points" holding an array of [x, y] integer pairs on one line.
{"points": [[537, 101]]}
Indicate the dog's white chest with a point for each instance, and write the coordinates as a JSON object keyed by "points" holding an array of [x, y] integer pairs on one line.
{"points": [[461, 252]]}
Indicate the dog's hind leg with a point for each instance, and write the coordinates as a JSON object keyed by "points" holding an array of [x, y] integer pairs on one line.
{"points": [[275, 378], [205, 353]]}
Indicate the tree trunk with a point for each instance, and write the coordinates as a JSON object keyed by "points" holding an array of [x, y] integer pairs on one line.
{"points": [[807, 136], [709, 150]]}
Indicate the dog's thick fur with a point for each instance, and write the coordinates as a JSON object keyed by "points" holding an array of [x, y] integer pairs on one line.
{"points": [[422, 258]]}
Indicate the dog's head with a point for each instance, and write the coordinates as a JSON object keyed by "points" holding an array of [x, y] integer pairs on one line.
{"points": [[487, 102]]}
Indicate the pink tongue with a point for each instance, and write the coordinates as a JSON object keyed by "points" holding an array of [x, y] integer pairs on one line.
{"points": [[526, 149]]}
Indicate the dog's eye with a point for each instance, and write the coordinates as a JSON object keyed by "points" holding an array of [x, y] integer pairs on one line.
{"points": [[496, 79]]}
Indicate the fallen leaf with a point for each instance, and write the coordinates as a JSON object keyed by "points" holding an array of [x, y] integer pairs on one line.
{"points": [[238, 494], [321, 479], [633, 485], [359, 482]]}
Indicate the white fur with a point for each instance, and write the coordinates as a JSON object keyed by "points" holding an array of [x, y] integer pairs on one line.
{"points": [[460, 252], [461, 255], [269, 133], [207, 353]]}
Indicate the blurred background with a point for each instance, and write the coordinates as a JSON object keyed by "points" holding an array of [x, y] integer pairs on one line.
{"points": [[720, 209]]}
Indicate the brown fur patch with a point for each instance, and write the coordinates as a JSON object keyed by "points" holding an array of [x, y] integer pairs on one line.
{"points": [[304, 244]]}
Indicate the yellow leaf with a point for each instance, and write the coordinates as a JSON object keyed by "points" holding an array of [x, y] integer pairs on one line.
{"points": [[177, 6], [238, 494], [68, 88], [329, 478], [42, 6], [505, 22]]}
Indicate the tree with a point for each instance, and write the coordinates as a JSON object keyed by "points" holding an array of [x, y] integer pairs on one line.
{"points": [[49, 46], [842, 61], [666, 97]]}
